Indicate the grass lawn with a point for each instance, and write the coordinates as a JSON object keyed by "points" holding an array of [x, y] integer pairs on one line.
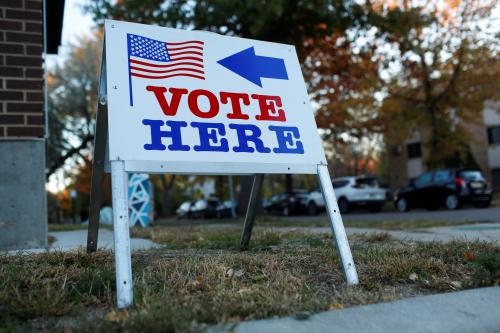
{"points": [[403, 224], [200, 278]]}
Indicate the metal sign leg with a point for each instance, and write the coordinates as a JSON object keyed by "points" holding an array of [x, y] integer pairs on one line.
{"points": [[250, 216], [100, 139], [97, 179], [124, 293], [337, 225]]}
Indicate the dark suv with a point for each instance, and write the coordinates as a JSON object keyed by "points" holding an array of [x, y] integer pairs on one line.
{"points": [[450, 188]]}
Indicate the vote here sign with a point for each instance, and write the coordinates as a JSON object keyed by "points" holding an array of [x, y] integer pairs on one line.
{"points": [[193, 101]]}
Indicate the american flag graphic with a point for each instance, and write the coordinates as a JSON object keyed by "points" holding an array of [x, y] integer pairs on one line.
{"points": [[153, 59]]}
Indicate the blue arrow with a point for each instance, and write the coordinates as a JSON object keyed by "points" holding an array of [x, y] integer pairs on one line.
{"points": [[252, 67]]}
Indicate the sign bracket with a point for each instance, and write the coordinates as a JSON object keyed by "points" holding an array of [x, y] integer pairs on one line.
{"points": [[98, 161], [250, 214]]}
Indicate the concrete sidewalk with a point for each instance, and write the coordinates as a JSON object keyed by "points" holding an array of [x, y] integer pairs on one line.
{"points": [[476, 310], [73, 240], [489, 232]]}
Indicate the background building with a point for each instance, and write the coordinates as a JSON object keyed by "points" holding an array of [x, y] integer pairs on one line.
{"points": [[407, 160]]}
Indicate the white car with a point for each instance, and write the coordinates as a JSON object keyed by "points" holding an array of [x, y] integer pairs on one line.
{"points": [[351, 192]]}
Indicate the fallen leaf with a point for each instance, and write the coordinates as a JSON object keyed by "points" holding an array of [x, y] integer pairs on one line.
{"points": [[413, 276], [468, 256], [230, 272], [117, 316], [336, 306], [456, 284], [239, 273]]}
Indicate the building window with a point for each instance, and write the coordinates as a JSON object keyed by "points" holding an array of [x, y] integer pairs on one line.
{"points": [[494, 135], [495, 177], [414, 150]]}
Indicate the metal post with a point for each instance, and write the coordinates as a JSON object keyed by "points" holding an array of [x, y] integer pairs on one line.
{"points": [[337, 225], [250, 216], [124, 293], [231, 197], [100, 139]]}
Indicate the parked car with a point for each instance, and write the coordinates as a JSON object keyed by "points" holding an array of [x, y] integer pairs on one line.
{"points": [[314, 202], [204, 208], [287, 204], [224, 209], [184, 210], [353, 192], [449, 188]]}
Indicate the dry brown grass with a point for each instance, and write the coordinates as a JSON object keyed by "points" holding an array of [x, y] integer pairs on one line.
{"points": [[179, 290]]}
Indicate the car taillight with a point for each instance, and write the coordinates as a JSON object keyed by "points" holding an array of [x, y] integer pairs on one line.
{"points": [[460, 182]]}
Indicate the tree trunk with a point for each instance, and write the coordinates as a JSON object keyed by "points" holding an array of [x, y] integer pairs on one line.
{"points": [[434, 141], [165, 190], [288, 183]]}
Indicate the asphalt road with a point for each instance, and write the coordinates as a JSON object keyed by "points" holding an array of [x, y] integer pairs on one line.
{"points": [[473, 215]]}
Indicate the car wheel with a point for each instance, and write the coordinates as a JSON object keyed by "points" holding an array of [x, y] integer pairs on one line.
{"points": [[343, 206], [452, 202], [312, 209], [402, 205], [286, 211]]}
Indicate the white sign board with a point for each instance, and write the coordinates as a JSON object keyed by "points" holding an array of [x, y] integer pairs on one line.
{"points": [[191, 101]]}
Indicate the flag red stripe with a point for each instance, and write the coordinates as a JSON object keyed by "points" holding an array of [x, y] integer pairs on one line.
{"points": [[172, 59], [167, 76], [186, 63], [167, 71], [188, 42], [173, 54], [185, 47]]}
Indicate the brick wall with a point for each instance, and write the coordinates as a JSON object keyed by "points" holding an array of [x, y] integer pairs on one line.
{"points": [[21, 73]]}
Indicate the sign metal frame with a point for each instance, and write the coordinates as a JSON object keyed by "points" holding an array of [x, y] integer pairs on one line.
{"points": [[120, 168]]}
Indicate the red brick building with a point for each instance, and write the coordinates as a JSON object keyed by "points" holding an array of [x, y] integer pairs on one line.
{"points": [[22, 117]]}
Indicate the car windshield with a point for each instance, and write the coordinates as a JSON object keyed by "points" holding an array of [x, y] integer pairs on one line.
{"points": [[366, 183], [471, 175], [340, 183]]}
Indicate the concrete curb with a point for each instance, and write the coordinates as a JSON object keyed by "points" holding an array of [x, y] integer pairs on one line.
{"points": [[476, 310]]}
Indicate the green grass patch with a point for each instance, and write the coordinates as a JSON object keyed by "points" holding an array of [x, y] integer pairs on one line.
{"points": [[185, 290], [403, 224], [226, 238]]}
